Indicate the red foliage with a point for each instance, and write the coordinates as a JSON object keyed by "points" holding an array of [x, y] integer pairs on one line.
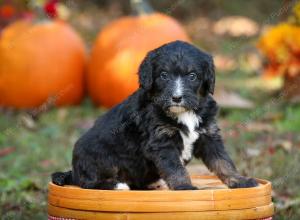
{"points": [[50, 8], [7, 11]]}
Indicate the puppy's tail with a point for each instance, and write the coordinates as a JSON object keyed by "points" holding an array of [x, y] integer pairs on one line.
{"points": [[62, 178]]}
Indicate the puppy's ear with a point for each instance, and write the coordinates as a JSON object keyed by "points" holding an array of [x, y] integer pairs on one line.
{"points": [[145, 72], [209, 77]]}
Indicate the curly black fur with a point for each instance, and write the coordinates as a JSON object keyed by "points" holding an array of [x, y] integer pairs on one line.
{"points": [[155, 132]]}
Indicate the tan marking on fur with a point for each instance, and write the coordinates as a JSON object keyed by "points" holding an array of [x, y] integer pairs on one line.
{"points": [[177, 109], [213, 128], [174, 181], [225, 171], [158, 185], [163, 129]]}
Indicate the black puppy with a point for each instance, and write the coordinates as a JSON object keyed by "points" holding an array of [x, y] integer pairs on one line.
{"points": [[155, 132]]}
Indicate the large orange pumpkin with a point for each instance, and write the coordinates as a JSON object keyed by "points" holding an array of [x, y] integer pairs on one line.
{"points": [[40, 62], [119, 49]]}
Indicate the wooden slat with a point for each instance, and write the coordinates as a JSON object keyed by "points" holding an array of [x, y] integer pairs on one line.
{"points": [[182, 206], [142, 196], [252, 213], [241, 193], [72, 192]]}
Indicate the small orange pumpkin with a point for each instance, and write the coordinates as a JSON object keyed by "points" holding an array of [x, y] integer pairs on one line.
{"points": [[119, 49], [39, 61]]}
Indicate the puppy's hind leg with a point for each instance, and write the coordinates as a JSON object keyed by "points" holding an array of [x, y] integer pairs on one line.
{"points": [[105, 185], [97, 177], [93, 181]]}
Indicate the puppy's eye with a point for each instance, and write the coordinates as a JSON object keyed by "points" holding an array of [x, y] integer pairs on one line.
{"points": [[164, 75], [192, 76]]}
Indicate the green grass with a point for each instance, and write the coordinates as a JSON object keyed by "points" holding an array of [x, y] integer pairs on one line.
{"points": [[291, 120], [37, 152], [47, 147]]}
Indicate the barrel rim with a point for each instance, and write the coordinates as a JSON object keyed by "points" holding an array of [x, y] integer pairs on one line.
{"points": [[73, 192], [159, 206]]}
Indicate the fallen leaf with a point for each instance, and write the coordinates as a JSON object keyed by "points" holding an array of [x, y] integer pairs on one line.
{"points": [[46, 163], [285, 145], [271, 150], [253, 152], [28, 121], [62, 113], [224, 63], [7, 150], [259, 127], [236, 26], [252, 61], [232, 100]]}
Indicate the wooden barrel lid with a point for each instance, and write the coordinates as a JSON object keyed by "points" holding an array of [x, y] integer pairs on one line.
{"points": [[214, 199]]}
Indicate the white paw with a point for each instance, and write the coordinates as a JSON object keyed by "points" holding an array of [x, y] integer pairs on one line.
{"points": [[122, 186]]}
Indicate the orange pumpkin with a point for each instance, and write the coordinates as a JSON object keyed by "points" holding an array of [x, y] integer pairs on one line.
{"points": [[120, 48], [40, 61]]}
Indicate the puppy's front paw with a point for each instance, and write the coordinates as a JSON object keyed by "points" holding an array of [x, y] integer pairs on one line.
{"points": [[185, 187], [242, 182]]}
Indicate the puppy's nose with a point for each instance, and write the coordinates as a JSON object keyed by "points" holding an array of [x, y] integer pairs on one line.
{"points": [[177, 99]]}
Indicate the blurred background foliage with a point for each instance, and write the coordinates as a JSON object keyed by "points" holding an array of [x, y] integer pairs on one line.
{"points": [[255, 45]]}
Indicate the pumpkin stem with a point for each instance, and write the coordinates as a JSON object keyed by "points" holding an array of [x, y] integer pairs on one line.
{"points": [[140, 7]]}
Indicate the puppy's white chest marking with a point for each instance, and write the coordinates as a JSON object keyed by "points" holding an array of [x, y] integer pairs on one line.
{"points": [[191, 120]]}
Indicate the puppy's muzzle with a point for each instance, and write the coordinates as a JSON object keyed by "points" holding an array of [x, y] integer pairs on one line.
{"points": [[177, 109], [176, 106], [177, 99]]}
